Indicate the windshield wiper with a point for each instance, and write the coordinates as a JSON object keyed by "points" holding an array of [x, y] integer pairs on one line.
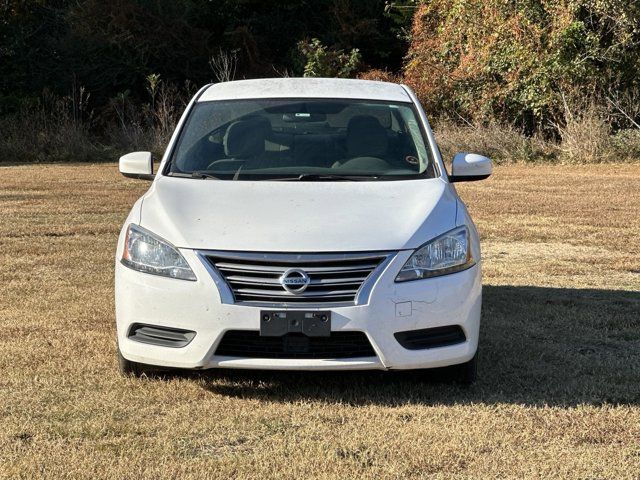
{"points": [[322, 177], [204, 175]]}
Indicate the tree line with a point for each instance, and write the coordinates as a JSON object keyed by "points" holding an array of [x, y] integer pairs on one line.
{"points": [[119, 72], [112, 47]]}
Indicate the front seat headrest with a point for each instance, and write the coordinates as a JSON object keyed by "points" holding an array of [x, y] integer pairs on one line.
{"points": [[245, 138], [366, 137]]}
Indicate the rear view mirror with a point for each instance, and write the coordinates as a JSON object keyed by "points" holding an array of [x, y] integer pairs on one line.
{"points": [[467, 167], [304, 117], [137, 165]]}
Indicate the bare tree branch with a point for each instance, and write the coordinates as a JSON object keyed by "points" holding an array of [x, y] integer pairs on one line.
{"points": [[224, 65]]}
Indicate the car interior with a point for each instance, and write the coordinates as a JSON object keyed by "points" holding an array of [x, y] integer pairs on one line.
{"points": [[308, 136]]}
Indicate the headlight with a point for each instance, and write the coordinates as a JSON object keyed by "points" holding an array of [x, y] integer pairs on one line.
{"points": [[447, 253], [147, 253]]}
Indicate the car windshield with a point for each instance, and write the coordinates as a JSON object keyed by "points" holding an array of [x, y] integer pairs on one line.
{"points": [[304, 139]]}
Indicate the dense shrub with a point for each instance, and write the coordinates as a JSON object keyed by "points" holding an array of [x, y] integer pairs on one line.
{"points": [[380, 76], [503, 144], [148, 126], [49, 128], [322, 61], [511, 61], [60, 129]]}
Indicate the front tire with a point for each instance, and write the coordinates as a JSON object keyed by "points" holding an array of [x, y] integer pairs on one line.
{"points": [[466, 373], [131, 369], [463, 374]]}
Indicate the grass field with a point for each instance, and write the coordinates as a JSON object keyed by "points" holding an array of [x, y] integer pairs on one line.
{"points": [[559, 388]]}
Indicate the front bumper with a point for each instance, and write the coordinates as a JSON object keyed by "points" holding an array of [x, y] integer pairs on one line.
{"points": [[453, 299]]}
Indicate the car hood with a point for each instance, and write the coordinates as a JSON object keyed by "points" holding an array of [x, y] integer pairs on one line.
{"points": [[292, 216]]}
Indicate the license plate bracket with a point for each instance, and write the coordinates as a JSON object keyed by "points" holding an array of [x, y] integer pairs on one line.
{"points": [[276, 323]]}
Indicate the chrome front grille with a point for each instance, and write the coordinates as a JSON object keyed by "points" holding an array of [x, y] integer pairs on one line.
{"points": [[255, 278]]}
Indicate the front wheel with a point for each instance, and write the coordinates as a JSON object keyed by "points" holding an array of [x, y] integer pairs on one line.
{"points": [[131, 369], [463, 373], [466, 373]]}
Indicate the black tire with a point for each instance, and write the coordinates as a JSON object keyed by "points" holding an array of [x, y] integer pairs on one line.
{"points": [[462, 374], [466, 373], [131, 369]]}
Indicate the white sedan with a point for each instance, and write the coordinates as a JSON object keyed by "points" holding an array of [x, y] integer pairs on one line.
{"points": [[300, 224]]}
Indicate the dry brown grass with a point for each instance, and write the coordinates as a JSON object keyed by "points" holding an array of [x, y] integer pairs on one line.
{"points": [[501, 143], [558, 394], [586, 135]]}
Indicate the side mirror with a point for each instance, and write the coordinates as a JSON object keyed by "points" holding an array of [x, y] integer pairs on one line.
{"points": [[467, 167], [137, 165]]}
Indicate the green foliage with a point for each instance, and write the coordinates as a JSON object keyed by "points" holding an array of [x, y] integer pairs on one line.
{"points": [[401, 13], [483, 59], [320, 61]]}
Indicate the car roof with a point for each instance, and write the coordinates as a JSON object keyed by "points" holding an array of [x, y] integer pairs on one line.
{"points": [[306, 88]]}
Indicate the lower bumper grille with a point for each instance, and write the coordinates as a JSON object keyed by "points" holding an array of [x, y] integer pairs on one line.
{"points": [[161, 336], [431, 337], [249, 344]]}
